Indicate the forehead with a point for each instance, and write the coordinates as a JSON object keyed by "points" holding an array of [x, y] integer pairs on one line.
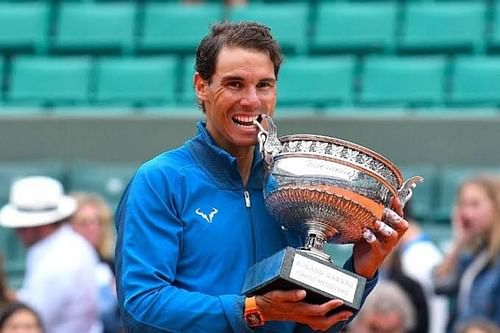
{"points": [[235, 61]]}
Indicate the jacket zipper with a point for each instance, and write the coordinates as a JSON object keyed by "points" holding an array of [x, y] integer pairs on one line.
{"points": [[248, 204]]}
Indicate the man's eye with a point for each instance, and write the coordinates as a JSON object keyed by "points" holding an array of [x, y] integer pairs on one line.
{"points": [[234, 84], [264, 85]]}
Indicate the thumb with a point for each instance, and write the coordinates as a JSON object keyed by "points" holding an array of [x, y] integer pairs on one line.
{"points": [[295, 295]]}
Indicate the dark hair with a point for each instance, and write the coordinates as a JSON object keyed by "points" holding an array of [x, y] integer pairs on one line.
{"points": [[15, 307], [247, 35]]}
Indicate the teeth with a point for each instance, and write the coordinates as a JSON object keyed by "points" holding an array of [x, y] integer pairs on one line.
{"points": [[245, 119]]}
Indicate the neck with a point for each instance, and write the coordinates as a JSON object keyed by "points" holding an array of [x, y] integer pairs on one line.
{"points": [[244, 160]]}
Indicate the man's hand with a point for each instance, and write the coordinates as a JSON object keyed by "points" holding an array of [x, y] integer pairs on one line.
{"points": [[289, 305], [371, 251]]}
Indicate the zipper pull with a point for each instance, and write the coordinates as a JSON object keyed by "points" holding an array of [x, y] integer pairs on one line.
{"points": [[247, 199]]}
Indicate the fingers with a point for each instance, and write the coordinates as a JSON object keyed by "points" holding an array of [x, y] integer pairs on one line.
{"points": [[389, 230], [396, 206], [281, 296]]}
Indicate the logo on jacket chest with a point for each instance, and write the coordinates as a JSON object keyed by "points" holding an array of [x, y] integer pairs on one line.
{"points": [[207, 216]]}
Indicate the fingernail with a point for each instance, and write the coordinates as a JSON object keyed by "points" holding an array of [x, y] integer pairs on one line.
{"points": [[384, 228], [369, 236], [392, 217]]}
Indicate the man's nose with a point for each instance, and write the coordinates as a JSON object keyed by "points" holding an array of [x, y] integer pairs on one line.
{"points": [[251, 98]]}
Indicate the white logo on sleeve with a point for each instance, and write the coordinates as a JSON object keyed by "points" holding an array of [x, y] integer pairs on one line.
{"points": [[208, 217]]}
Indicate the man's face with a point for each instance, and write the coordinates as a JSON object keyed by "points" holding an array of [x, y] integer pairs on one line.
{"points": [[28, 235], [242, 87]]}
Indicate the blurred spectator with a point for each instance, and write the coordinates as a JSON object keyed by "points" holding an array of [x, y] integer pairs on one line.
{"points": [[387, 309], [418, 257], [60, 266], [20, 318], [4, 292], [92, 220], [470, 271], [392, 271], [480, 326]]}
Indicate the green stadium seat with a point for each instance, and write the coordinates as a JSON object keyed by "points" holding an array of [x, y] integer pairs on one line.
{"points": [[24, 26], [93, 27], [493, 38], [288, 22], [176, 27], [316, 81], [449, 180], [424, 195], [403, 81], [107, 179], [49, 80], [443, 27], [187, 94], [136, 81], [475, 81], [354, 27]]}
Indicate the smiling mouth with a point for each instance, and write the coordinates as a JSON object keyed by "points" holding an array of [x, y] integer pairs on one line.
{"points": [[245, 121]]}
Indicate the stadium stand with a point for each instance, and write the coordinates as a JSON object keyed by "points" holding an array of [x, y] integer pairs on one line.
{"points": [[443, 27], [475, 80], [28, 27], [136, 81], [318, 81], [354, 27], [404, 81], [90, 27], [49, 80]]}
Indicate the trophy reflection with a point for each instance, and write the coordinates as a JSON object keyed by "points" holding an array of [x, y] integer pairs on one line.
{"points": [[328, 190]]}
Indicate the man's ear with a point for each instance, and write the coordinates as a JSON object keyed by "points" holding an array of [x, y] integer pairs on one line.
{"points": [[200, 87]]}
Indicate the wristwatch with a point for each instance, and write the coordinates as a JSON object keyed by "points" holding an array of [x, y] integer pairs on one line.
{"points": [[252, 314]]}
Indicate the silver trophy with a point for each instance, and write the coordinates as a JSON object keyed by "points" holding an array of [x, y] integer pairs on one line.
{"points": [[328, 190]]}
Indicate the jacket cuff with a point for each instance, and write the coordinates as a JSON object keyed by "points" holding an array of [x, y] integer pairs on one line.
{"points": [[234, 307]]}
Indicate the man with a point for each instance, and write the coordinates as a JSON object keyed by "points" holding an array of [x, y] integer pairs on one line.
{"points": [[387, 310], [60, 281], [193, 220]]}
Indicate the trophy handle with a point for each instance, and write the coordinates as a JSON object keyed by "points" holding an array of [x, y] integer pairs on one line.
{"points": [[269, 144], [406, 190]]}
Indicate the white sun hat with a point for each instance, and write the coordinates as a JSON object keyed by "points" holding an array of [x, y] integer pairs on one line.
{"points": [[36, 201]]}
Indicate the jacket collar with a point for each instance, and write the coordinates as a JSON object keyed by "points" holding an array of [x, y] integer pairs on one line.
{"points": [[220, 165]]}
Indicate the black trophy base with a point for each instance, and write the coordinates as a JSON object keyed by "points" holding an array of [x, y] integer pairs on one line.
{"points": [[296, 269]]}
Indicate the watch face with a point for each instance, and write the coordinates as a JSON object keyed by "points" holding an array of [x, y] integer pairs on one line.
{"points": [[253, 319]]}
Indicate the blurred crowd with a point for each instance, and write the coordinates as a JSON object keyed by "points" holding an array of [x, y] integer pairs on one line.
{"points": [[69, 282]]}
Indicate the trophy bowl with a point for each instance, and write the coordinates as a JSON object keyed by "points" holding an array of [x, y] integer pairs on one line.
{"points": [[326, 188]]}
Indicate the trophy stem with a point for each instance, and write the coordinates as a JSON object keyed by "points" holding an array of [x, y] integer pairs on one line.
{"points": [[315, 245]]}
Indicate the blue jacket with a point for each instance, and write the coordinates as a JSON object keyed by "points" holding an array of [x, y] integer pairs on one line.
{"points": [[187, 231]]}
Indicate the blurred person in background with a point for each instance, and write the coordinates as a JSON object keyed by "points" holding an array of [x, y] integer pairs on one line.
{"points": [[92, 220], [5, 294], [418, 255], [59, 282], [193, 219], [470, 271], [392, 271], [480, 326], [20, 318], [388, 309]]}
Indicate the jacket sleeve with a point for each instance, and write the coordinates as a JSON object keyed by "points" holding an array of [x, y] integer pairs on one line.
{"points": [[370, 284], [149, 239]]}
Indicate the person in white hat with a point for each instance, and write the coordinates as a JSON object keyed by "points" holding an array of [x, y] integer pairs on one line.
{"points": [[60, 267]]}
